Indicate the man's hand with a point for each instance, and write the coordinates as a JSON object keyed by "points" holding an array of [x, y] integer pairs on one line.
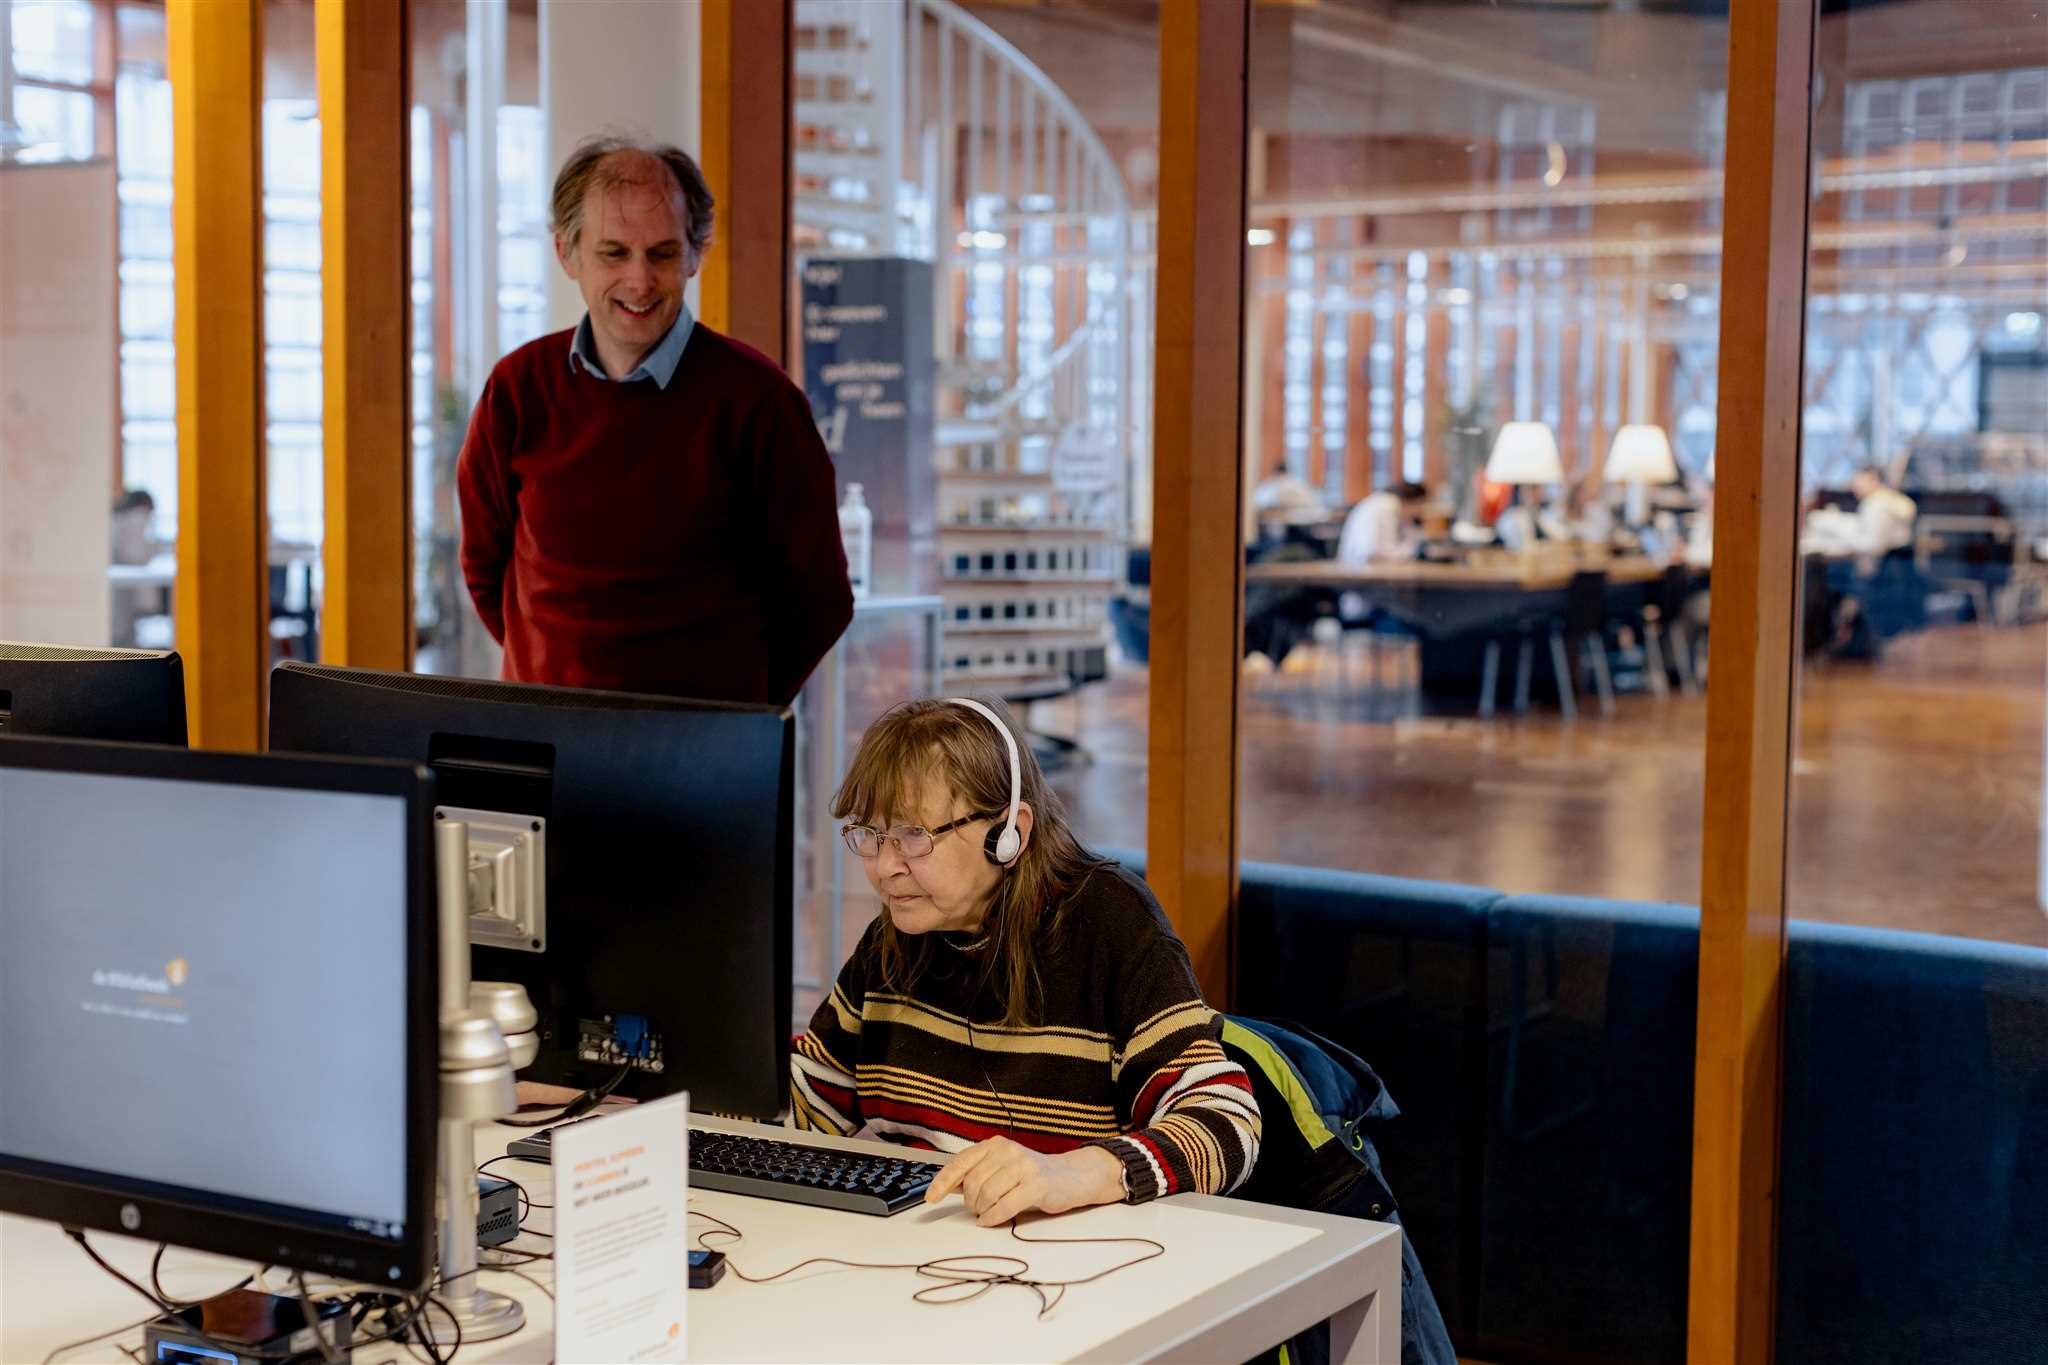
{"points": [[999, 1179]]}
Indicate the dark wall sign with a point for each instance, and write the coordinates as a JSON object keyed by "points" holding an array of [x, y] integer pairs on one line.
{"points": [[870, 376]]}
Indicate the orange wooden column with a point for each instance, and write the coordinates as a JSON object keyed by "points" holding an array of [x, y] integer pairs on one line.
{"points": [[1198, 480], [365, 207], [744, 287], [222, 596], [1736, 1093]]}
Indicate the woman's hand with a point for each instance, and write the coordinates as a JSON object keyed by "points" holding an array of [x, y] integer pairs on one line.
{"points": [[999, 1179]]}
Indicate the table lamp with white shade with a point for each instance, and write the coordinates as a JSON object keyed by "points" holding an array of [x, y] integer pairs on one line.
{"points": [[1639, 457], [1524, 453]]}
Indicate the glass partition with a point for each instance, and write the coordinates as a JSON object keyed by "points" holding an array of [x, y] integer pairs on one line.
{"points": [[1483, 263], [972, 187], [478, 287], [1917, 880]]}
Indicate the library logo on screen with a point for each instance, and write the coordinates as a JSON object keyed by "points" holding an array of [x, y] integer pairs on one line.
{"points": [[147, 997]]}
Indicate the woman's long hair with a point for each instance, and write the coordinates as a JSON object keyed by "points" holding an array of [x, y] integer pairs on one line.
{"points": [[935, 741]]}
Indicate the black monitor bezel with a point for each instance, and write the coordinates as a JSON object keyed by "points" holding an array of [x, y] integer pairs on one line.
{"points": [[369, 699], [128, 696], [183, 1217]]}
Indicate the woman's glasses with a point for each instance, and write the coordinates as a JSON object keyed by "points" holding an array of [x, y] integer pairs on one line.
{"points": [[912, 841]]}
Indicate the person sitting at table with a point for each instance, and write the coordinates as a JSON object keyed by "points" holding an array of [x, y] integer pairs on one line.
{"points": [[1383, 526], [1588, 514], [1019, 1003], [1884, 516], [1883, 521]]}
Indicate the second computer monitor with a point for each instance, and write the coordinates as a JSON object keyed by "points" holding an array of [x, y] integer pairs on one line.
{"points": [[219, 1003], [663, 827], [134, 696]]}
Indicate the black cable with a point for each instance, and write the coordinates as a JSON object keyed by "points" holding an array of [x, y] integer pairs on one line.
{"points": [[577, 1107], [961, 1279], [228, 1347], [422, 1327], [155, 1281], [995, 1093], [510, 1270], [524, 1197], [327, 1351]]}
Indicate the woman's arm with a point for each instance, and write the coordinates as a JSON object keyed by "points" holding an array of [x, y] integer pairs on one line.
{"points": [[1193, 1122], [823, 1092]]}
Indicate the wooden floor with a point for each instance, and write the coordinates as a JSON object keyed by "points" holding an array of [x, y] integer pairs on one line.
{"points": [[1917, 800]]}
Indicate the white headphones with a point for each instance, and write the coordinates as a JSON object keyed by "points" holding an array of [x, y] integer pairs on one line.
{"points": [[1001, 846]]}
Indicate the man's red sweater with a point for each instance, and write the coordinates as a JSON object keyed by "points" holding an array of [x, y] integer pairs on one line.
{"points": [[681, 540]]}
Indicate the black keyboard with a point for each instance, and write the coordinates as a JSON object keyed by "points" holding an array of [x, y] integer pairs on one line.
{"points": [[769, 1168]]}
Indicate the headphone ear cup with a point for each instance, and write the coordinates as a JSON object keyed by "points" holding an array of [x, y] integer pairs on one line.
{"points": [[1000, 847]]}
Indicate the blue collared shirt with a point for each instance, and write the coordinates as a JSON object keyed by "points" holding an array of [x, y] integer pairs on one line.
{"points": [[658, 364]]}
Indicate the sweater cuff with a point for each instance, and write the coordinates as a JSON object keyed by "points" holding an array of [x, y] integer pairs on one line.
{"points": [[1145, 1176]]}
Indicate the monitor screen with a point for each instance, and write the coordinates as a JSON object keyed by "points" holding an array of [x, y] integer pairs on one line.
{"points": [[208, 999]]}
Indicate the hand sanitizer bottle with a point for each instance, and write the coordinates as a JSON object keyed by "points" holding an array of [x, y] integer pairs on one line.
{"points": [[857, 532]]}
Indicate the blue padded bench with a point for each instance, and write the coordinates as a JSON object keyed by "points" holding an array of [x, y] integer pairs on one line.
{"points": [[1915, 1166], [1586, 1207], [1394, 970], [1915, 1152], [1541, 1050]]}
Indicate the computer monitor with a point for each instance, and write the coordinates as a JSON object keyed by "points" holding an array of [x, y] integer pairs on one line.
{"points": [[219, 1023], [135, 696], [661, 831]]}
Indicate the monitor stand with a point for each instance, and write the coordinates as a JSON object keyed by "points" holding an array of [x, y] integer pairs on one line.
{"points": [[476, 1085]]}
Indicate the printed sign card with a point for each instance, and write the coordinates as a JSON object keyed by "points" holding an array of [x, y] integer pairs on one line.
{"points": [[622, 1244]]}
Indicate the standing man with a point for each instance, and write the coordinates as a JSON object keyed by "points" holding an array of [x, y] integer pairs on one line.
{"points": [[646, 505]]}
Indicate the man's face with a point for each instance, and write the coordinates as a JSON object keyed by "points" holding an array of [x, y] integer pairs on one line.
{"points": [[631, 261], [1863, 483]]}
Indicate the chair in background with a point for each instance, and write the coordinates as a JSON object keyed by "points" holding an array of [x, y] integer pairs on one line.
{"points": [[1052, 751], [1584, 619], [1972, 555], [1585, 630], [1664, 619]]}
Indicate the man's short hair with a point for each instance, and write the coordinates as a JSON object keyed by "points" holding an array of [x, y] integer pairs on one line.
{"points": [[611, 162], [1408, 492]]}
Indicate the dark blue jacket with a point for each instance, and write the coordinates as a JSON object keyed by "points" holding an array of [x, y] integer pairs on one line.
{"points": [[1316, 1099]]}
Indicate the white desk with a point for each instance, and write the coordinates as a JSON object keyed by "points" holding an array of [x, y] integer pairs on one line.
{"points": [[1236, 1278]]}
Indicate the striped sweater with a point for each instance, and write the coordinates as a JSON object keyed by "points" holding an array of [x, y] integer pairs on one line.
{"points": [[1123, 1054]]}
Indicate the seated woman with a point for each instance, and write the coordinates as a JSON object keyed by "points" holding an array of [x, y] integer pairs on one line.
{"points": [[1018, 1003]]}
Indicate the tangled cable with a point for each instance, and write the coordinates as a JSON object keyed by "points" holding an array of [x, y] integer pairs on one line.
{"points": [[963, 1278]]}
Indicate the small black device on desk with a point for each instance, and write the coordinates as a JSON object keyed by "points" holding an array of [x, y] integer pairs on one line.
{"points": [[247, 1327], [769, 1168], [497, 1211], [705, 1268]]}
